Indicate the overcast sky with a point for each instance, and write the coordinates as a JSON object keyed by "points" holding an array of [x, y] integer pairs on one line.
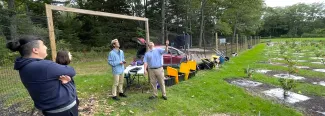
{"points": [[281, 3]]}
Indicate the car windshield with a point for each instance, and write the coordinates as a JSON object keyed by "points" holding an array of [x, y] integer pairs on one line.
{"points": [[172, 50]]}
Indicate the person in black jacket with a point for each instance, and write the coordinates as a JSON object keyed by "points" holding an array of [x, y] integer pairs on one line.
{"points": [[48, 83]]}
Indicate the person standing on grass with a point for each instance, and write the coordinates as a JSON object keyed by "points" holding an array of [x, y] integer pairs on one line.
{"points": [[47, 82], [64, 58], [153, 61], [117, 61]]}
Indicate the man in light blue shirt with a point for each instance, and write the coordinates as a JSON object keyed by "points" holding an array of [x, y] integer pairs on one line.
{"points": [[117, 61], [153, 60]]}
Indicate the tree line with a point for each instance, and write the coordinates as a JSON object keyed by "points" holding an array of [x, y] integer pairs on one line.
{"points": [[299, 20], [199, 18]]}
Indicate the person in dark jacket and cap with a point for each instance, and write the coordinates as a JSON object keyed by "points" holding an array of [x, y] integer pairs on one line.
{"points": [[47, 82]]}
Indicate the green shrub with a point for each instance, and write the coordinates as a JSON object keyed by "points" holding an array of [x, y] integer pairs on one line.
{"points": [[249, 72], [287, 85]]}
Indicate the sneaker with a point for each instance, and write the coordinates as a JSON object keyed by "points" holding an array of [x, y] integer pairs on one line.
{"points": [[115, 98], [164, 97], [152, 97], [122, 95]]}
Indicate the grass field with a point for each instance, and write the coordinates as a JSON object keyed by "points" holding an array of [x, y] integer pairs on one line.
{"points": [[206, 94]]}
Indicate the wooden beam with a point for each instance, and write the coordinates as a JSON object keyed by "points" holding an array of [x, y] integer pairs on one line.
{"points": [[97, 13], [51, 30], [49, 9], [237, 43], [217, 43]]}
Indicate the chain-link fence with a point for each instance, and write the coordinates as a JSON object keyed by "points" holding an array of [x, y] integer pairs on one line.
{"points": [[15, 99], [227, 45], [230, 46]]}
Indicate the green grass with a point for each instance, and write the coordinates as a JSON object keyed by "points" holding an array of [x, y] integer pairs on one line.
{"points": [[205, 94], [303, 87]]}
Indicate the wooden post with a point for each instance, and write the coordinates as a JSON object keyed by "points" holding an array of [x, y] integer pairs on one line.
{"points": [[231, 42], [251, 41], [148, 40], [237, 43], [51, 30], [242, 42], [255, 38], [246, 42], [258, 39], [217, 43], [147, 34], [163, 22], [167, 37]]}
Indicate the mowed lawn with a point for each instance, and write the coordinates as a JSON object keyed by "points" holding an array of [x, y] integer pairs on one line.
{"points": [[205, 94]]}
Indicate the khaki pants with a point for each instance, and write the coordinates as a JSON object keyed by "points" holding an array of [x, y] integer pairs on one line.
{"points": [[157, 75], [118, 82]]}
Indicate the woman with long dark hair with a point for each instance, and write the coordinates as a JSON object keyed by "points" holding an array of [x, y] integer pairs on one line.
{"points": [[64, 58]]}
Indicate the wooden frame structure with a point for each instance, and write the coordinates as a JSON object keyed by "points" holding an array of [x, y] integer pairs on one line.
{"points": [[49, 9]]}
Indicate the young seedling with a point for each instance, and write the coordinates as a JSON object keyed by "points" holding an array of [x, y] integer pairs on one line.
{"points": [[291, 65], [318, 53], [298, 49], [293, 44], [269, 54], [249, 72], [282, 49], [318, 46], [322, 61], [287, 85]]}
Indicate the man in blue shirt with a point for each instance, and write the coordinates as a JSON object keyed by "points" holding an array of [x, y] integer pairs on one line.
{"points": [[153, 60], [117, 61]]}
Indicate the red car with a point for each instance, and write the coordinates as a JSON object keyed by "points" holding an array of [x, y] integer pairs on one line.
{"points": [[173, 58]]}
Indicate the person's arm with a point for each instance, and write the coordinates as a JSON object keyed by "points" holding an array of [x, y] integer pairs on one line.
{"points": [[112, 61], [145, 66], [167, 44], [54, 71], [123, 59], [162, 51]]}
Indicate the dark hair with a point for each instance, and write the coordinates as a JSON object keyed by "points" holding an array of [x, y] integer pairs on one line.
{"points": [[62, 57], [24, 45]]}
